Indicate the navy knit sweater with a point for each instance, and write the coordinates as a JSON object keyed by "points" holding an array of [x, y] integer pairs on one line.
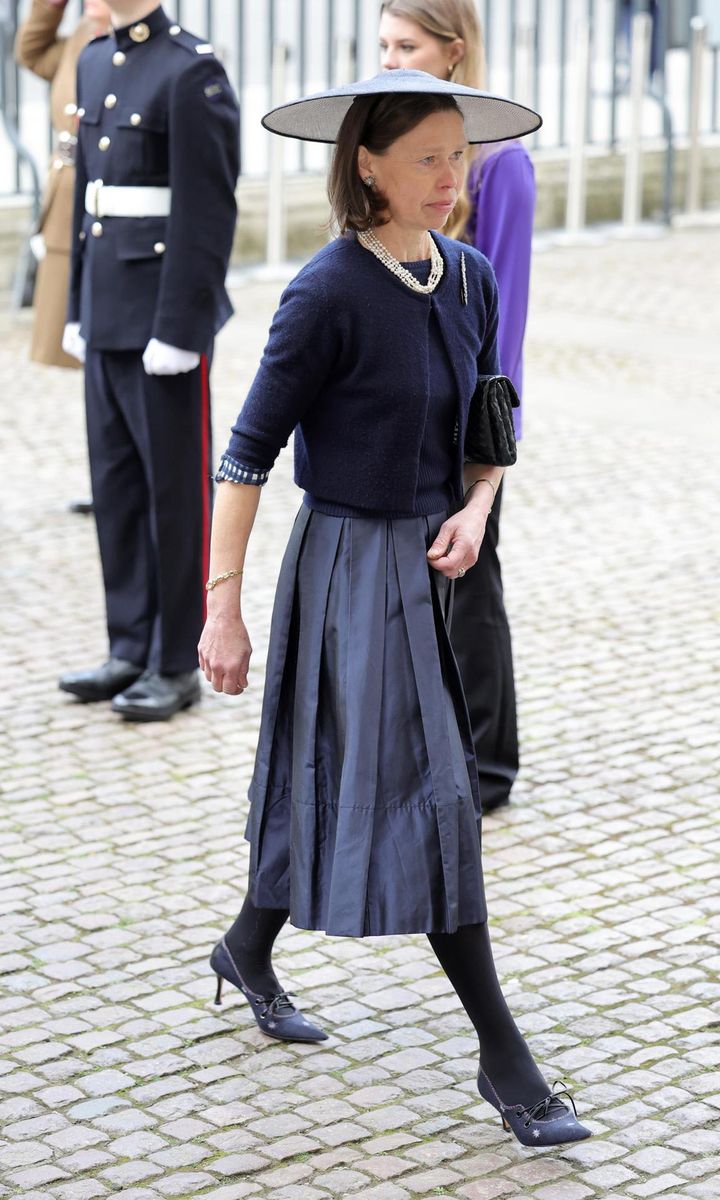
{"points": [[347, 367]]}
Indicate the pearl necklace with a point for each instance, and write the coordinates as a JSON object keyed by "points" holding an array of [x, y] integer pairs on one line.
{"points": [[437, 266]]}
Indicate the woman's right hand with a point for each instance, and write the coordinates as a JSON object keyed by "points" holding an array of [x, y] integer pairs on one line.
{"points": [[224, 653]]}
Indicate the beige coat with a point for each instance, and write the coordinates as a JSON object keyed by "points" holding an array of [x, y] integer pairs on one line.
{"points": [[39, 48]]}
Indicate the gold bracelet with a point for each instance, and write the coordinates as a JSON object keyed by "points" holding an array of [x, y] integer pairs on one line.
{"points": [[482, 479], [212, 583]]}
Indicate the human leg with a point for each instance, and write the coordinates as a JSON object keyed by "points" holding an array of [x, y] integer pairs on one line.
{"points": [[121, 511], [509, 1078], [244, 959], [250, 940], [466, 958]]}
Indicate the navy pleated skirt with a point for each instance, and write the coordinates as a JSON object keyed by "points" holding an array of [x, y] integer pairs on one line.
{"points": [[365, 814]]}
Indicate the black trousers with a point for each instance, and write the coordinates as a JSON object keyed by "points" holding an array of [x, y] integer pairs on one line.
{"points": [[480, 637], [150, 466]]}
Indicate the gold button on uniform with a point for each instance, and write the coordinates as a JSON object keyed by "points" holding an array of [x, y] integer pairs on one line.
{"points": [[70, 109], [81, 113], [139, 32], [110, 100], [96, 229], [174, 30], [104, 143], [118, 58], [135, 119], [159, 247]]}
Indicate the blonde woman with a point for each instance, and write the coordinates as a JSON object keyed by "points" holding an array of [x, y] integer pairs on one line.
{"points": [[494, 214]]}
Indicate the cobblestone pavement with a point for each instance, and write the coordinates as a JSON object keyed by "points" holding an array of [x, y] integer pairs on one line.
{"points": [[122, 846]]}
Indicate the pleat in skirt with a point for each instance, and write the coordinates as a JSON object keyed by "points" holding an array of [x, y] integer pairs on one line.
{"points": [[364, 806]]}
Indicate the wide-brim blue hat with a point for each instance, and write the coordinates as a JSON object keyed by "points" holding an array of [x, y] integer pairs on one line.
{"points": [[318, 118]]}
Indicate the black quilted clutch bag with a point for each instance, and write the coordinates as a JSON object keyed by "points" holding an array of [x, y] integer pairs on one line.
{"points": [[490, 436]]}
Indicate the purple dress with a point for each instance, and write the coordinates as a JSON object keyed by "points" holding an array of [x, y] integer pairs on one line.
{"points": [[501, 184]]}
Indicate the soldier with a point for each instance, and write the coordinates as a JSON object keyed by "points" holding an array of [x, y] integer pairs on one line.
{"points": [[157, 163]]}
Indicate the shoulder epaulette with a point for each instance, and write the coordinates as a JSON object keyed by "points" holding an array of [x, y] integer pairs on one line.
{"points": [[188, 41]]}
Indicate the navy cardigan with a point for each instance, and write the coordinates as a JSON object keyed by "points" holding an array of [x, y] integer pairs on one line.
{"points": [[346, 367]]}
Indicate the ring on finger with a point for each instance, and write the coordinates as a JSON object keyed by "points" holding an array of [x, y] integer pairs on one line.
{"points": [[461, 572]]}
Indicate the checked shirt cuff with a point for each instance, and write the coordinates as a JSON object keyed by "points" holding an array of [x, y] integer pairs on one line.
{"points": [[234, 472]]}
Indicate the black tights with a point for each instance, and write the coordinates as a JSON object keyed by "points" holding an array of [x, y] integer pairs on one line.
{"points": [[466, 957], [467, 960]]}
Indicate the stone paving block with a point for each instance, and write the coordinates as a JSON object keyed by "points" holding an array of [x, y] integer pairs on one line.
{"points": [[563, 1190], [342, 1181], [35, 1177], [487, 1189], [80, 1189], [128, 1173], [288, 1147], [282, 1176], [610, 1175], [657, 1185], [238, 1164], [340, 1133], [385, 1191], [233, 1191], [391, 1116], [423, 1183]]}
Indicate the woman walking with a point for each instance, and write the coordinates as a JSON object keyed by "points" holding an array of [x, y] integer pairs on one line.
{"points": [[494, 213], [365, 814]]}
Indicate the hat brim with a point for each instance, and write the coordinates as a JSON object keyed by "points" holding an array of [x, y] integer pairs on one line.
{"points": [[318, 118]]}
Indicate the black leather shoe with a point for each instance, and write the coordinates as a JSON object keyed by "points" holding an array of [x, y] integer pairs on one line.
{"points": [[101, 683], [494, 805], [549, 1122], [157, 697], [276, 1015], [81, 506]]}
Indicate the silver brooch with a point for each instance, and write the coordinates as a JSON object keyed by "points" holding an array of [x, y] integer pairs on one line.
{"points": [[463, 281]]}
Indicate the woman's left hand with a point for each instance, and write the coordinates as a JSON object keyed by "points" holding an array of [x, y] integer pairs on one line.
{"points": [[457, 545]]}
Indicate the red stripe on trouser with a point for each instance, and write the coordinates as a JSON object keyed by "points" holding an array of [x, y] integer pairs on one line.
{"points": [[205, 468]]}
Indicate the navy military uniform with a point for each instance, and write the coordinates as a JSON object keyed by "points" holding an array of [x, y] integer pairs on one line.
{"points": [[157, 163]]}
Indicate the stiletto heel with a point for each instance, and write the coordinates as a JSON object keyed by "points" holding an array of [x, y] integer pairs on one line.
{"points": [[275, 1015], [548, 1122]]}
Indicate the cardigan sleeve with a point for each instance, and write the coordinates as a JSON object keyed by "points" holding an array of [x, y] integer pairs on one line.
{"points": [[300, 354], [503, 232]]}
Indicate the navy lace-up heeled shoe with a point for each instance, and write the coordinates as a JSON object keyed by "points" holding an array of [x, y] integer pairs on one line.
{"points": [[276, 1015], [549, 1122]]}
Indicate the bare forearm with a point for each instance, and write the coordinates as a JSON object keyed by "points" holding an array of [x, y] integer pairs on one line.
{"points": [[481, 494], [235, 507]]}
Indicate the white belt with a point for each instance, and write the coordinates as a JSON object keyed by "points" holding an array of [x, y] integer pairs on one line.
{"points": [[101, 201]]}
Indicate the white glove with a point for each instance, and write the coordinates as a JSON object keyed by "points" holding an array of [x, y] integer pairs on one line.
{"points": [[161, 359], [72, 343]]}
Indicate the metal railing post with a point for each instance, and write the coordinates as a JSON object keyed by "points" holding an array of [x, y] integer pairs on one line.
{"points": [[693, 190], [639, 63], [344, 61], [580, 71], [275, 251]]}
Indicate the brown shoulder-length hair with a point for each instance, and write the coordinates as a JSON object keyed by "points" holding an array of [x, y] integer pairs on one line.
{"points": [[374, 122], [447, 20]]}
